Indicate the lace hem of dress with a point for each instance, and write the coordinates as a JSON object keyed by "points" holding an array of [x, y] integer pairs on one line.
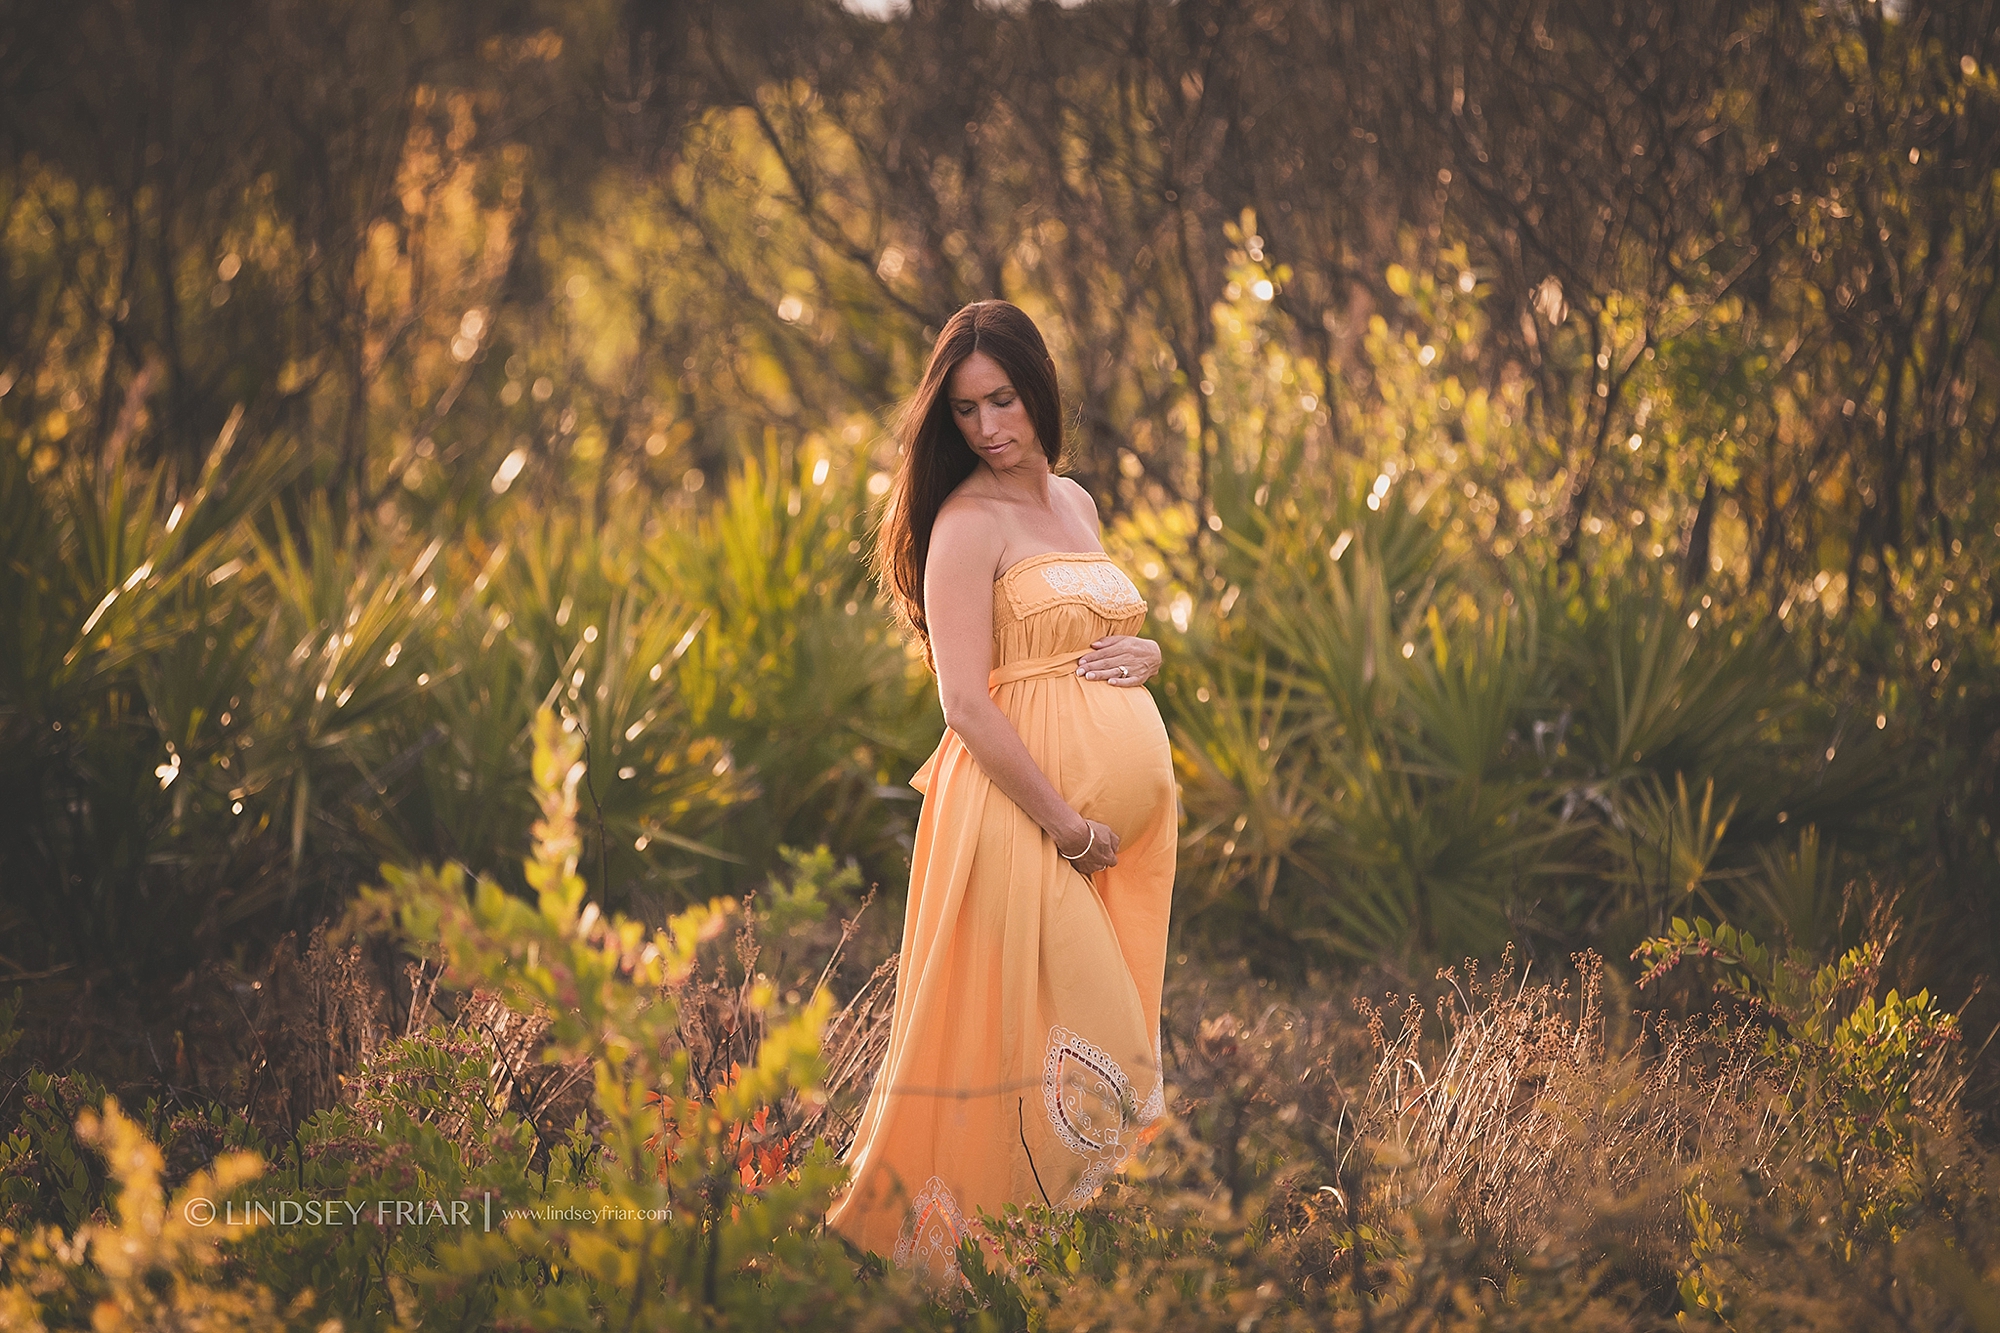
{"points": [[1088, 1098], [930, 1235]]}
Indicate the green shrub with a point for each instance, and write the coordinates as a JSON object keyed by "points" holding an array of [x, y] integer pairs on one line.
{"points": [[702, 1211]]}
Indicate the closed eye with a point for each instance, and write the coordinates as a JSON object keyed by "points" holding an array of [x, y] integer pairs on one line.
{"points": [[965, 409]]}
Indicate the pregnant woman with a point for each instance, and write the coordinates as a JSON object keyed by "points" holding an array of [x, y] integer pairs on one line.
{"points": [[1024, 1052]]}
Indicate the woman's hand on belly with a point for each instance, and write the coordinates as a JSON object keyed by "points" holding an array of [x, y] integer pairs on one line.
{"points": [[1139, 658]]}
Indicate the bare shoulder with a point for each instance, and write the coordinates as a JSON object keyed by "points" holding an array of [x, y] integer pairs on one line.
{"points": [[1081, 499], [965, 533]]}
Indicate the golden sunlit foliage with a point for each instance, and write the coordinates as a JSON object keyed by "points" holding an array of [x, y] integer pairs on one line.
{"points": [[1556, 443]]}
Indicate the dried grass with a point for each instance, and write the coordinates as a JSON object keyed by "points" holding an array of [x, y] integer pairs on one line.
{"points": [[1523, 1116]]}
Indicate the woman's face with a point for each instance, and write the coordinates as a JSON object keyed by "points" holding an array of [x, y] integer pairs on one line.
{"points": [[989, 413]]}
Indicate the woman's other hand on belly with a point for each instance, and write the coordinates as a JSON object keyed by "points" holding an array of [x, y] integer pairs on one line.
{"points": [[1101, 842], [1122, 659]]}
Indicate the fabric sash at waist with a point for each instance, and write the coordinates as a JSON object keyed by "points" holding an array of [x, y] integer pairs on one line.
{"points": [[1062, 664]]}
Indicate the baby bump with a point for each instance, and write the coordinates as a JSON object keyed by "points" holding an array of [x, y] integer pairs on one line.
{"points": [[1117, 766]]}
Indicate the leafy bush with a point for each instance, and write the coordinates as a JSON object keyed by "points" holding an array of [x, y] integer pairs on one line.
{"points": [[683, 1192], [700, 1206], [227, 711], [1400, 734]]}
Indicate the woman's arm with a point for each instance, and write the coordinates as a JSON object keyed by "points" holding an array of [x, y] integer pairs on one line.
{"points": [[958, 602]]}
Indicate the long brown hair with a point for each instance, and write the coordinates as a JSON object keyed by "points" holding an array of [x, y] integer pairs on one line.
{"points": [[935, 456]]}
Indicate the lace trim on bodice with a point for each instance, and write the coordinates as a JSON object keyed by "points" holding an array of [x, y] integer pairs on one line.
{"points": [[1089, 579]]}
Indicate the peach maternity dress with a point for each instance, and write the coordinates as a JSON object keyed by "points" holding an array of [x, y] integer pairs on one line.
{"points": [[1024, 1051]]}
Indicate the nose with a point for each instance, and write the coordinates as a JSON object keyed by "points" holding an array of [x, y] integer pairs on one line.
{"points": [[989, 420]]}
